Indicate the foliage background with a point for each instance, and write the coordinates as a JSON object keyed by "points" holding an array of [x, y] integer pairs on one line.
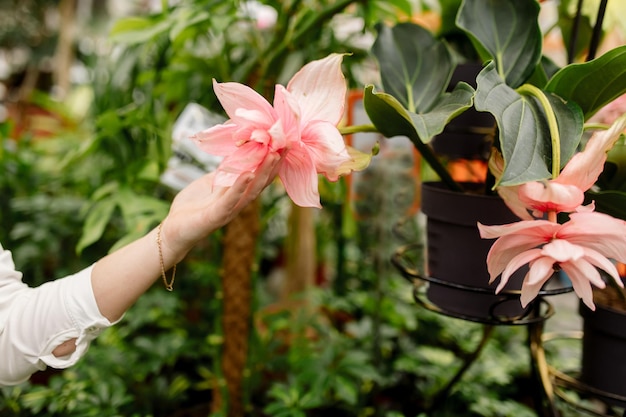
{"points": [[80, 174]]}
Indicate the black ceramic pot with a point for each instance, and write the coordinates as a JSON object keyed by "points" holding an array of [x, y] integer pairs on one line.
{"points": [[457, 254], [603, 350]]}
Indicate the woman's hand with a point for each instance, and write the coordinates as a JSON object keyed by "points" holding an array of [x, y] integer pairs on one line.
{"points": [[201, 208]]}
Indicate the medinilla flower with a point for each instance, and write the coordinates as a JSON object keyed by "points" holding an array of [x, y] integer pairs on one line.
{"points": [[566, 192], [588, 241], [301, 126]]}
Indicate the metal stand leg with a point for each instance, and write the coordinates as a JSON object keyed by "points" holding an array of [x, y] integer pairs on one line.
{"points": [[544, 400]]}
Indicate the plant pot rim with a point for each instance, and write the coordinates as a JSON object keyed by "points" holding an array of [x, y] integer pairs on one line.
{"points": [[464, 208]]}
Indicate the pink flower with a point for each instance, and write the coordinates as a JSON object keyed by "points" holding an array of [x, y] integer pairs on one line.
{"points": [[578, 247], [566, 192], [301, 126]]}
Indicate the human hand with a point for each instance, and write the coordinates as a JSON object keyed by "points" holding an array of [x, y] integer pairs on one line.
{"points": [[201, 207]]}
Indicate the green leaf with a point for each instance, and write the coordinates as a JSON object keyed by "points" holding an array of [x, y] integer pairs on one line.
{"points": [[592, 84], [447, 108], [135, 30], [509, 31], [346, 389], [392, 119], [525, 138], [609, 202], [415, 68], [96, 221]]}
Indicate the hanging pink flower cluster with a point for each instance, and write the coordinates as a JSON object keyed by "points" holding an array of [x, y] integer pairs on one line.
{"points": [[301, 126], [588, 240]]}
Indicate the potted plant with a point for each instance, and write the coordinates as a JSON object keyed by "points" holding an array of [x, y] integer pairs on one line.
{"points": [[540, 116]]}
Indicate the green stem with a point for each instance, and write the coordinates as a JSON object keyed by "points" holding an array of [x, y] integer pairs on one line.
{"points": [[431, 159], [595, 126], [425, 151], [349, 130], [553, 125]]}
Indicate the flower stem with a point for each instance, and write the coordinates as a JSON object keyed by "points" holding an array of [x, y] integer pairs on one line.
{"points": [[349, 130], [553, 125], [595, 126]]}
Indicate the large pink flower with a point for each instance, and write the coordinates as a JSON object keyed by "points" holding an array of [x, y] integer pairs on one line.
{"points": [[301, 126], [588, 241]]}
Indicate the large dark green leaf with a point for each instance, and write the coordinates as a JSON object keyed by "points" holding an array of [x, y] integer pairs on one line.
{"points": [[525, 138], [509, 31], [391, 119], [592, 84], [415, 68]]}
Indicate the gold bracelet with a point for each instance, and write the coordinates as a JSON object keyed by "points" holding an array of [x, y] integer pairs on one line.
{"points": [[168, 285]]}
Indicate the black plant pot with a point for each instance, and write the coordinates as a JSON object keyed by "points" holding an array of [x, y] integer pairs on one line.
{"points": [[603, 349], [470, 135], [456, 254]]}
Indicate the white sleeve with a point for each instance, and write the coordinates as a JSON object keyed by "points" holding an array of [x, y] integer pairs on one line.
{"points": [[40, 319]]}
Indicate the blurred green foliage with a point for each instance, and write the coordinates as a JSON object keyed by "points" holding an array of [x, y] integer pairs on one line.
{"points": [[367, 350]]}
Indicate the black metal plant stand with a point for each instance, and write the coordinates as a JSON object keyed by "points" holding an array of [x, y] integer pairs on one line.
{"points": [[533, 318]]}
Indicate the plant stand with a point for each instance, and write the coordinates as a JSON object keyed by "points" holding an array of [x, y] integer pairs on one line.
{"points": [[564, 381], [532, 317]]}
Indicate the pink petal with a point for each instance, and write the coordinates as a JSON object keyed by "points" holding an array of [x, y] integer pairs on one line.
{"points": [[506, 248], [562, 251], [526, 227], [550, 196], [320, 89], [247, 158], [288, 113], [529, 292], [585, 167], [326, 146], [235, 96], [597, 231], [540, 270], [516, 263], [579, 273], [539, 273], [299, 178], [217, 140], [600, 261]]}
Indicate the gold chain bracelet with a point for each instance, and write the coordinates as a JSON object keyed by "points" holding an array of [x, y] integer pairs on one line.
{"points": [[168, 285]]}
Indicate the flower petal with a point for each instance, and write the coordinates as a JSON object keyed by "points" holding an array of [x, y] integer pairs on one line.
{"points": [[579, 273], [597, 231], [585, 167], [247, 158], [288, 113], [516, 263], [506, 248], [320, 89], [526, 227], [217, 140], [299, 177], [235, 96], [326, 147], [562, 251], [550, 196]]}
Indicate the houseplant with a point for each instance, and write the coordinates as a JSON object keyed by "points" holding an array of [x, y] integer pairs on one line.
{"points": [[540, 116]]}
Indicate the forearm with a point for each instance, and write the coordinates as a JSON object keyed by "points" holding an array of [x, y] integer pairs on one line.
{"points": [[121, 277]]}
